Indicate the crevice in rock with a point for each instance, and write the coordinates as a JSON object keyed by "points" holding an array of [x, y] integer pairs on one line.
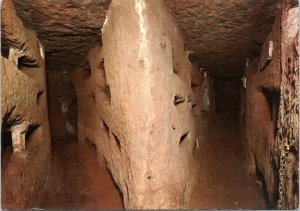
{"points": [[117, 141], [183, 138], [178, 99], [32, 134], [38, 96], [105, 89], [24, 63], [106, 128]]}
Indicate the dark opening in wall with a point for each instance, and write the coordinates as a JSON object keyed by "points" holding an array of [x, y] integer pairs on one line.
{"points": [[272, 96], [227, 94], [38, 97], [176, 70], [4, 50], [29, 134], [105, 89], [6, 147], [6, 137], [183, 137], [178, 99], [25, 63]]}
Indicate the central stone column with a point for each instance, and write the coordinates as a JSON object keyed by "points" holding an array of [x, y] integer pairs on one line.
{"points": [[141, 81]]}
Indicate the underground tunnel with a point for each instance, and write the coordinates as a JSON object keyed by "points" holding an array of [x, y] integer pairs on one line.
{"points": [[149, 104]]}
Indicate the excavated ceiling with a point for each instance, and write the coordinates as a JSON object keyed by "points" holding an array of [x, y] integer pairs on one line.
{"points": [[220, 34], [66, 28]]}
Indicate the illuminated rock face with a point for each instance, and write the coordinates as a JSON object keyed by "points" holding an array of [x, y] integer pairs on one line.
{"points": [[24, 117], [140, 92]]}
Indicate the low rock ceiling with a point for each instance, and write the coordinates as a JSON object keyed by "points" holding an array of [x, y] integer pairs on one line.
{"points": [[67, 28], [221, 34]]}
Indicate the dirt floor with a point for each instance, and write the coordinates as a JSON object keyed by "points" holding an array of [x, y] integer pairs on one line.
{"points": [[222, 183], [77, 181]]}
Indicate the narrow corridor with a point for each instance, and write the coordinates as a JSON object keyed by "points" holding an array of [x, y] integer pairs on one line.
{"points": [[149, 104], [222, 183]]}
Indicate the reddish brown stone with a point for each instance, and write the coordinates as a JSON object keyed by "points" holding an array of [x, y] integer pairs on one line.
{"points": [[24, 116]]}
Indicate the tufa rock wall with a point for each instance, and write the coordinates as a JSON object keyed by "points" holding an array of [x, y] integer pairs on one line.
{"points": [[25, 135], [261, 111], [270, 122], [137, 105], [287, 140]]}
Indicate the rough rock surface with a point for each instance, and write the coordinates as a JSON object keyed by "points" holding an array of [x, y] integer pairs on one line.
{"points": [[67, 28], [214, 31], [222, 34], [288, 124], [140, 90], [262, 102], [271, 113], [23, 104], [132, 72], [14, 34]]}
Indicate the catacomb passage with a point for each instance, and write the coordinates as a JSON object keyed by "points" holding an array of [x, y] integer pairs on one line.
{"points": [[149, 104]]}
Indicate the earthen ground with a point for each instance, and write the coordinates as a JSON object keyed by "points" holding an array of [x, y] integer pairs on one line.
{"points": [[77, 181], [222, 183]]}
